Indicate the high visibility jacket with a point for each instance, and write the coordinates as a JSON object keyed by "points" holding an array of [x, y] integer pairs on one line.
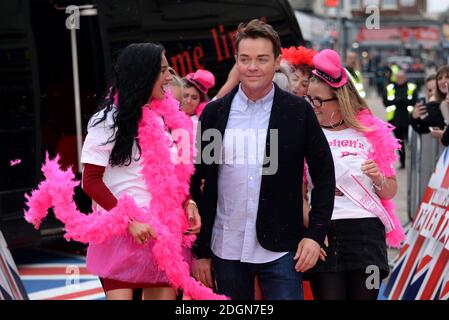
{"points": [[357, 81], [391, 96]]}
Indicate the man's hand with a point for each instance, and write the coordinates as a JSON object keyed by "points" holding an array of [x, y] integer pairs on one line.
{"points": [[193, 217], [202, 271], [307, 255]]}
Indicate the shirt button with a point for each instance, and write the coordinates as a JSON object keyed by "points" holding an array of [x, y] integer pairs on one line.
{"points": [[251, 178]]}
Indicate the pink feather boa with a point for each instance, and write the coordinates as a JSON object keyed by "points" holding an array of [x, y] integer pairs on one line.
{"points": [[384, 154], [170, 182]]}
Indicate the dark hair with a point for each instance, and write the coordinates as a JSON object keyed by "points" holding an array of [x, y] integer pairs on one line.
{"points": [[304, 68], [258, 29], [444, 70], [188, 84], [136, 71]]}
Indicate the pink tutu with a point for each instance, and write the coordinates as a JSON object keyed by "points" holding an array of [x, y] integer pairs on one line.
{"points": [[121, 258]]}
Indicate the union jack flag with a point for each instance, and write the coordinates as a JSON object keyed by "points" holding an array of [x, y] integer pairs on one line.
{"points": [[421, 270]]}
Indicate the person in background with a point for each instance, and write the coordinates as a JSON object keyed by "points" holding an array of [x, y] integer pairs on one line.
{"points": [[355, 75], [442, 97], [176, 85], [426, 115], [299, 59], [399, 98], [195, 88]]}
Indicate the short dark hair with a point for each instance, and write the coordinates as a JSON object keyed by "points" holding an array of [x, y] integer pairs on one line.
{"points": [[304, 68], [187, 84], [258, 29]]}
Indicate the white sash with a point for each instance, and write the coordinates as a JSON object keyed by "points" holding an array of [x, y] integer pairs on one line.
{"points": [[361, 195]]}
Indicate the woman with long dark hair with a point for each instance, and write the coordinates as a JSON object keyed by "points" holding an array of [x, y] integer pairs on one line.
{"points": [[130, 150]]}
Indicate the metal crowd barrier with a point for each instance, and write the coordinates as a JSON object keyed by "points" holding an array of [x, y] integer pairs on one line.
{"points": [[423, 152]]}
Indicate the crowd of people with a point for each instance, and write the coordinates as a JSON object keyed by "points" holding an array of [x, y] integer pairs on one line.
{"points": [[294, 210]]}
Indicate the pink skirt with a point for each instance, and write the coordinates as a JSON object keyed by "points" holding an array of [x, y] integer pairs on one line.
{"points": [[121, 258]]}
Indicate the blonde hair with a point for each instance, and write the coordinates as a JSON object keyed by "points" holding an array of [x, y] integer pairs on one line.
{"points": [[176, 82], [350, 104]]}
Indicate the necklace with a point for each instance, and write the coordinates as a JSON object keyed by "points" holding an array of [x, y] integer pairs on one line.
{"points": [[333, 126]]}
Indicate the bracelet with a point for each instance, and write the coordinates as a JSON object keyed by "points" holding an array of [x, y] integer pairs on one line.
{"points": [[382, 183]]}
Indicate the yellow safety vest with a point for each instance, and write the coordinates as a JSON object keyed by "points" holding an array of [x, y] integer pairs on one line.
{"points": [[358, 83], [391, 95]]}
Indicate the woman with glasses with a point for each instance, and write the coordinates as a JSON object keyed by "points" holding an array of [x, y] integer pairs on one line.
{"points": [[363, 219]]}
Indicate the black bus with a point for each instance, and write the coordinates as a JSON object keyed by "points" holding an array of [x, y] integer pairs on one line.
{"points": [[37, 96]]}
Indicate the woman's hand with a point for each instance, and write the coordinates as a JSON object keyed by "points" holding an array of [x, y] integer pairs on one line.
{"points": [[141, 232], [193, 216], [371, 169], [437, 134], [419, 110]]}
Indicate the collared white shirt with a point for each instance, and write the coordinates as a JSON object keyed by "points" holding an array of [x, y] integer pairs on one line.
{"points": [[239, 179]]}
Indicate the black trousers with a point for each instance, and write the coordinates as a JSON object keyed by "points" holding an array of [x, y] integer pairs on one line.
{"points": [[401, 133]]}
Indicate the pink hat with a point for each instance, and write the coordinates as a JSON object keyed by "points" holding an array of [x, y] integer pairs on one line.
{"points": [[328, 67], [202, 79]]}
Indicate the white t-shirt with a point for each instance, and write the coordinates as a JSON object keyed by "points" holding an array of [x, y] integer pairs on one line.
{"points": [[119, 179], [351, 148]]}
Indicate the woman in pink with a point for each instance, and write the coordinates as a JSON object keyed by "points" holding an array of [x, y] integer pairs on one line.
{"points": [[115, 163], [363, 220]]}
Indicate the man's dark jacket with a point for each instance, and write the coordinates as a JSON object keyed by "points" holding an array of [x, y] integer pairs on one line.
{"points": [[279, 224]]}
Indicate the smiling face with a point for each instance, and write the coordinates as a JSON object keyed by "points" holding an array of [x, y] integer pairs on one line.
{"points": [[256, 65], [163, 80], [443, 82], [190, 100], [329, 112]]}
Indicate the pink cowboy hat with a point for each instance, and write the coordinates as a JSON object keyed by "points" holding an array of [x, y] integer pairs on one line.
{"points": [[328, 67], [202, 79]]}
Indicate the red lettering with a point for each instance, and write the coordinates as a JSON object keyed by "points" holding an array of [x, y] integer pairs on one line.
{"points": [[224, 41], [217, 45], [232, 38], [179, 62], [198, 54]]}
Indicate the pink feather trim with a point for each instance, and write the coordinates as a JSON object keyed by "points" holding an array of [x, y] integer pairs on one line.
{"points": [[167, 217], [384, 154]]}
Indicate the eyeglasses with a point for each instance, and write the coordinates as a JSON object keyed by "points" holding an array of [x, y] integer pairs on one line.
{"points": [[317, 102]]}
